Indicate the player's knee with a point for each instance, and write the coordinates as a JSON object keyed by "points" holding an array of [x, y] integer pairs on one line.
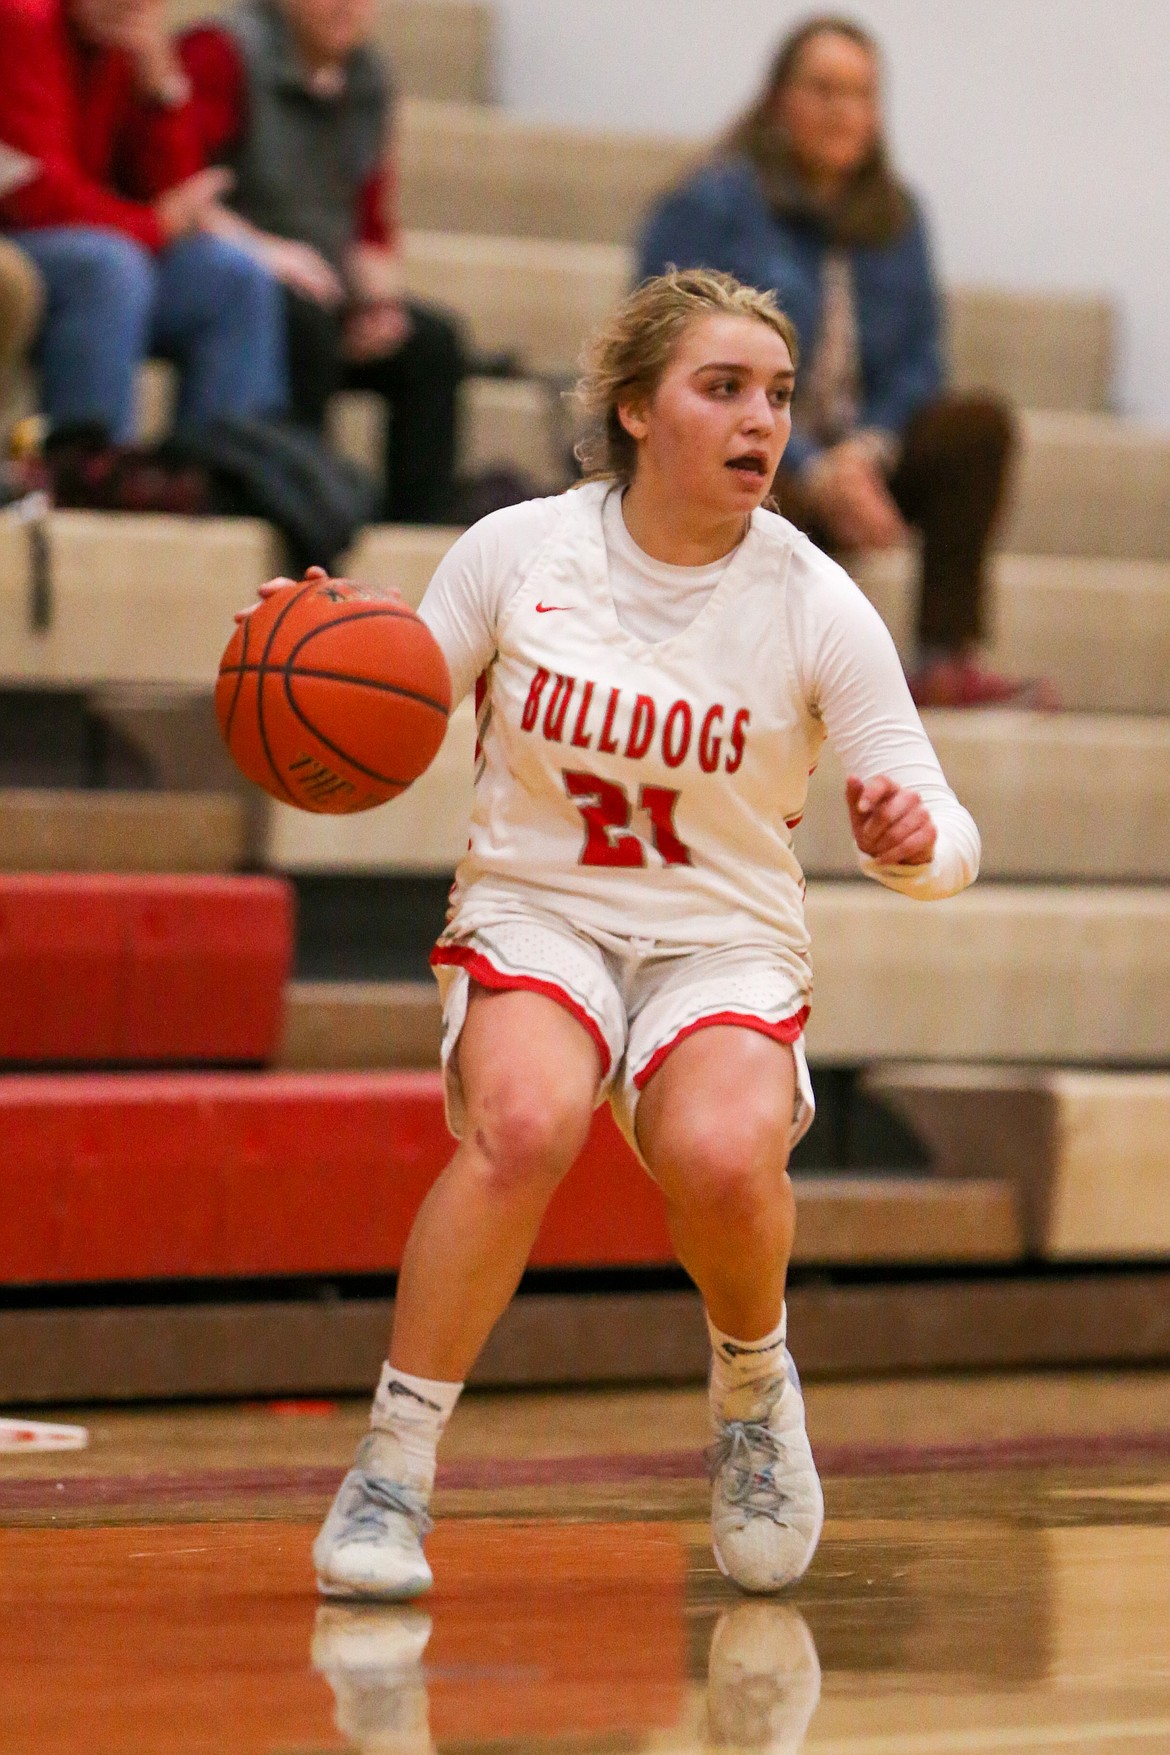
{"points": [[526, 1136], [731, 1167]]}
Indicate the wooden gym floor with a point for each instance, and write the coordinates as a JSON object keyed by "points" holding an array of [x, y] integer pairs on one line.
{"points": [[994, 1576]]}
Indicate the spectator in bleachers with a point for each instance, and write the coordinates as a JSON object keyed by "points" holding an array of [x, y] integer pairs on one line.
{"points": [[293, 98], [112, 209], [801, 198]]}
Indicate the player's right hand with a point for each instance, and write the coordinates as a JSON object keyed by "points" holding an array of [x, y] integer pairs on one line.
{"points": [[271, 586]]}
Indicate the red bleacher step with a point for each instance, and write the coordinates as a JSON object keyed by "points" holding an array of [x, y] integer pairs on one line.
{"points": [[147, 1175], [119, 967]]}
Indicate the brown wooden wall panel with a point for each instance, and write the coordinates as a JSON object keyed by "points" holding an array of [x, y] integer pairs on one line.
{"points": [[335, 1346]]}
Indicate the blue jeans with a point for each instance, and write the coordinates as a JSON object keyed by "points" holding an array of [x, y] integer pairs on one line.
{"points": [[110, 304]]}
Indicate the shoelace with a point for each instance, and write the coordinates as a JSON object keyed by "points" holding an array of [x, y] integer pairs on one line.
{"points": [[372, 1500], [749, 1451]]}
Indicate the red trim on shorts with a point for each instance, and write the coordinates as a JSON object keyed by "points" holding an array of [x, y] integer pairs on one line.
{"points": [[478, 967], [786, 1030]]}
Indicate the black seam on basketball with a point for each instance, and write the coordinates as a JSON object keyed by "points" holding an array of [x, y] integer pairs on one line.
{"points": [[262, 670], [370, 773], [243, 666], [361, 616], [342, 676]]}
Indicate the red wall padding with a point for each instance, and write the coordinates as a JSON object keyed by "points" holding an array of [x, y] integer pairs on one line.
{"points": [[112, 967], [156, 1175]]}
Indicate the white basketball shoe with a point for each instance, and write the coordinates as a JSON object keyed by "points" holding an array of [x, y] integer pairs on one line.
{"points": [[767, 1507], [370, 1545], [371, 1657]]}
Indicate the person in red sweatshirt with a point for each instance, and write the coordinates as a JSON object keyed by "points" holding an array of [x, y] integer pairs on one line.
{"points": [[292, 97], [113, 205]]}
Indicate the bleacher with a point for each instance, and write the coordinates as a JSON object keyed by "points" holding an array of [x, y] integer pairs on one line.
{"points": [[990, 1181]]}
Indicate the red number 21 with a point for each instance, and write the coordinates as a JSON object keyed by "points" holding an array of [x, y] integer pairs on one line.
{"points": [[606, 809]]}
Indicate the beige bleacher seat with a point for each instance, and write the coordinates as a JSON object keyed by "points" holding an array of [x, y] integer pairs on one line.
{"points": [[1090, 484], [1056, 796], [469, 168], [354, 1025], [1041, 350], [533, 297], [61, 830], [133, 597], [1035, 973], [438, 49], [1098, 628], [843, 1220], [522, 424], [423, 830], [1087, 1151]]}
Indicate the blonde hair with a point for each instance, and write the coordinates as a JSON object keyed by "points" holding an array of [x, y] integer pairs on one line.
{"points": [[627, 359]]}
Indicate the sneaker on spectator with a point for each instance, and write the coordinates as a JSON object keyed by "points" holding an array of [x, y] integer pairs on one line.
{"points": [[962, 681]]}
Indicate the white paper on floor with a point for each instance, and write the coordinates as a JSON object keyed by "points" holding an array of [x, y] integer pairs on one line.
{"points": [[39, 1435]]}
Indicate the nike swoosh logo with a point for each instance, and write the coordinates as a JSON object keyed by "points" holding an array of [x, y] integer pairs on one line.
{"points": [[400, 1389], [547, 608]]}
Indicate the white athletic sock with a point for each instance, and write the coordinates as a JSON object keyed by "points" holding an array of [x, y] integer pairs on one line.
{"points": [[410, 1414], [744, 1372]]}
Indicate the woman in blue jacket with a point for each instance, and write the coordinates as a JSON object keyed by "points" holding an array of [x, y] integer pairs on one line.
{"points": [[801, 198]]}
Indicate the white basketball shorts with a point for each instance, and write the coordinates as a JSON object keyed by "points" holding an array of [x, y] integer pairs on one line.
{"points": [[637, 998]]}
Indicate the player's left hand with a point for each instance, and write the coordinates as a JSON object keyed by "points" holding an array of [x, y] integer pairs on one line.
{"points": [[890, 823]]}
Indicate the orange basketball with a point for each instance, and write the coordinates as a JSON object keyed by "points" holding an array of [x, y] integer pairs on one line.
{"points": [[331, 698]]}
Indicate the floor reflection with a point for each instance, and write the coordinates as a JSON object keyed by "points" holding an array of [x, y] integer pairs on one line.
{"points": [[763, 1682], [970, 1614]]}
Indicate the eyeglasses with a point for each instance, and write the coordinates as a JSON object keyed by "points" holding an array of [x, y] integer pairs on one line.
{"points": [[828, 91]]}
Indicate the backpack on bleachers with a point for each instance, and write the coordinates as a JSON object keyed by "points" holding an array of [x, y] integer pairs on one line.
{"points": [[285, 473]]}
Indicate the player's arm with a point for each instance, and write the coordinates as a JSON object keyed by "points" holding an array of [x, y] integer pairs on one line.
{"points": [[470, 589], [461, 608], [452, 609], [468, 596], [912, 834]]}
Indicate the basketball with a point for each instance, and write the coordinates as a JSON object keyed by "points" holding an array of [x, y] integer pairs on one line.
{"points": [[331, 698]]}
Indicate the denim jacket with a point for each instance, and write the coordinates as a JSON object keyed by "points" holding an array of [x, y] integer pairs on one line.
{"points": [[720, 219]]}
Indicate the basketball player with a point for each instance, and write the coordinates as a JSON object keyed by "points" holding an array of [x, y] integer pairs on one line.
{"points": [[662, 660]]}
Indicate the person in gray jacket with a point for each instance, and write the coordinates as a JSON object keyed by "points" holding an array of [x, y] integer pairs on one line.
{"points": [[293, 98]]}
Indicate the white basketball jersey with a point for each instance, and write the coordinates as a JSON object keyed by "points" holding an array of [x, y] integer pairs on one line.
{"points": [[645, 790]]}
